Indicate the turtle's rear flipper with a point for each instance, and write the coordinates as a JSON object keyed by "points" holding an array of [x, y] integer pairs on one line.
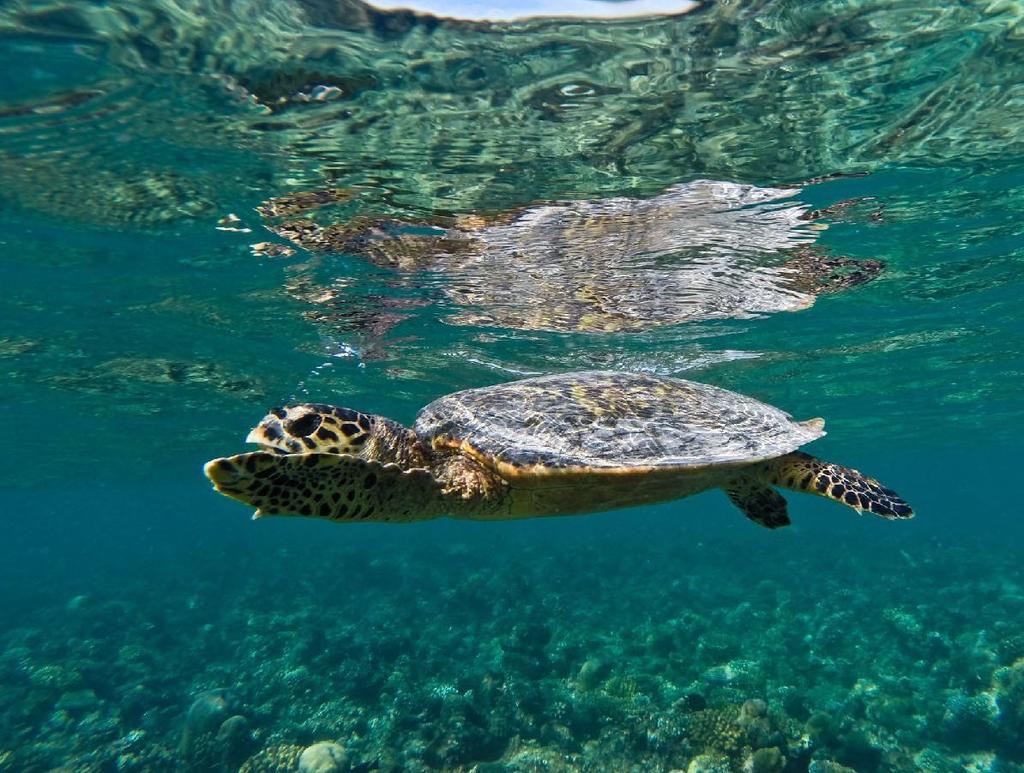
{"points": [[332, 486], [802, 472], [759, 502]]}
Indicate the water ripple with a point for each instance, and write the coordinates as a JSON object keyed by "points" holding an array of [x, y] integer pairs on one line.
{"points": [[171, 117]]}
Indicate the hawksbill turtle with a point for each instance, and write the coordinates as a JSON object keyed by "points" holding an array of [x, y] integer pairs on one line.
{"points": [[698, 251], [552, 445]]}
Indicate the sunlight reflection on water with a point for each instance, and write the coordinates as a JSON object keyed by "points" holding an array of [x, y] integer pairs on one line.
{"points": [[510, 10]]}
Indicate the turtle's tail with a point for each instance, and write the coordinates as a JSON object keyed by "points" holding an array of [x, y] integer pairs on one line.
{"points": [[802, 472]]}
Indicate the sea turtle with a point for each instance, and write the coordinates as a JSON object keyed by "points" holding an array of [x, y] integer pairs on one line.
{"points": [[699, 250], [552, 445]]}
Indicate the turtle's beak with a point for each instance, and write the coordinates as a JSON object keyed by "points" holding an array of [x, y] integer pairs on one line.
{"points": [[270, 435], [287, 430]]}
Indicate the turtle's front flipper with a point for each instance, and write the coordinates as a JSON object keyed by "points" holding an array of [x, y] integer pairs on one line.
{"points": [[759, 502], [802, 472], [332, 486]]}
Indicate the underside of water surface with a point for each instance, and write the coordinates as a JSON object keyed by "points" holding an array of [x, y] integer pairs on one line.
{"points": [[210, 209]]}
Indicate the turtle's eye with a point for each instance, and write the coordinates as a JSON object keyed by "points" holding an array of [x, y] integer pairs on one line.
{"points": [[304, 426]]}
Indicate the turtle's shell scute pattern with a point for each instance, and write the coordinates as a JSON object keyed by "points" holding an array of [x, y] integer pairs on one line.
{"points": [[611, 421]]}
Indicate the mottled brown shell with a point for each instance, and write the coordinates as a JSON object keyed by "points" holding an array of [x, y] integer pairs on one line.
{"points": [[608, 422]]}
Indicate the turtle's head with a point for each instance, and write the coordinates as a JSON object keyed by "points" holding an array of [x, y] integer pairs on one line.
{"points": [[307, 449], [313, 428], [310, 428]]}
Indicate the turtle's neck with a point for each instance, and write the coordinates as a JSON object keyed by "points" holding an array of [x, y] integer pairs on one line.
{"points": [[392, 443], [468, 489]]}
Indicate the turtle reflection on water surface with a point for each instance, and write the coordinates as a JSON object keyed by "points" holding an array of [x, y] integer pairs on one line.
{"points": [[699, 250], [553, 445]]}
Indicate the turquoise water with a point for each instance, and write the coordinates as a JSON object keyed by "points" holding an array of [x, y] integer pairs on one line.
{"points": [[143, 335]]}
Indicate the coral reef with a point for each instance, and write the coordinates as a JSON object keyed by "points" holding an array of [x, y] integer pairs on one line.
{"points": [[452, 657], [323, 757], [282, 758]]}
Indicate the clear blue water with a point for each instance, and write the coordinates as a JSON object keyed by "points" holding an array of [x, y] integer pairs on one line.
{"points": [[138, 339]]}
